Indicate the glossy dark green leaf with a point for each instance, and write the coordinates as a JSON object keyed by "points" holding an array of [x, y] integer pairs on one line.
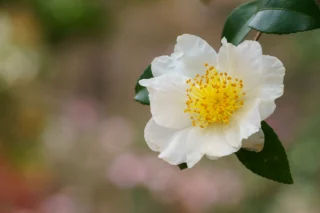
{"points": [[142, 95], [183, 166], [286, 16], [236, 26], [271, 162]]}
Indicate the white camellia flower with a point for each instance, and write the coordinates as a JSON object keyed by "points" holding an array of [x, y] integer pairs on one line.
{"points": [[208, 103]]}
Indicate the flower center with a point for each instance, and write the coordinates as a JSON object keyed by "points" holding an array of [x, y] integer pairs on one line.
{"points": [[213, 97]]}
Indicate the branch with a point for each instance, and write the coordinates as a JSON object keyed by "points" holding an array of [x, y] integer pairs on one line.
{"points": [[258, 35]]}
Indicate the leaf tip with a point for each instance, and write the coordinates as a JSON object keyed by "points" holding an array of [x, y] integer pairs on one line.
{"points": [[289, 180], [142, 97]]}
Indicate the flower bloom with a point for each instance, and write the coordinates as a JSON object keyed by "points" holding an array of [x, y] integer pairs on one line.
{"points": [[208, 103]]}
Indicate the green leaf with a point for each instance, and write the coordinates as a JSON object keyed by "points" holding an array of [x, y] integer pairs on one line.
{"points": [[236, 26], [286, 16], [142, 95], [271, 162], [183, 166]]}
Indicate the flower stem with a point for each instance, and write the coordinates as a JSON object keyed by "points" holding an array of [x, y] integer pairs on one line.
{"points": [[258, 35]]}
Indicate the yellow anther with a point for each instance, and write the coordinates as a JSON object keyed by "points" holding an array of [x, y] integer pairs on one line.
{"points": [[213, 97]]}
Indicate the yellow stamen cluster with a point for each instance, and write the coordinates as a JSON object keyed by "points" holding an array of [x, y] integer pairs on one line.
{"points": [[213, 97]]}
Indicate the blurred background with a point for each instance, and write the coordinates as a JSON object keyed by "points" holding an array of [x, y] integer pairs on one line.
{"points": [[71, 136]]}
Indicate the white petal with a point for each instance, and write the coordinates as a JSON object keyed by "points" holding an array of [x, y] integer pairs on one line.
{"points": [[190, 54], [251, 49], [248, 118], [266, 108], [272, 79], [167, 94], [232, 134], [157, 137], [165, 65], [262, 79], [182, 150], [243, 62], [255, 142], [270, 85], [224, 40], [215, 144], [195, 52], [173, 145]]}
